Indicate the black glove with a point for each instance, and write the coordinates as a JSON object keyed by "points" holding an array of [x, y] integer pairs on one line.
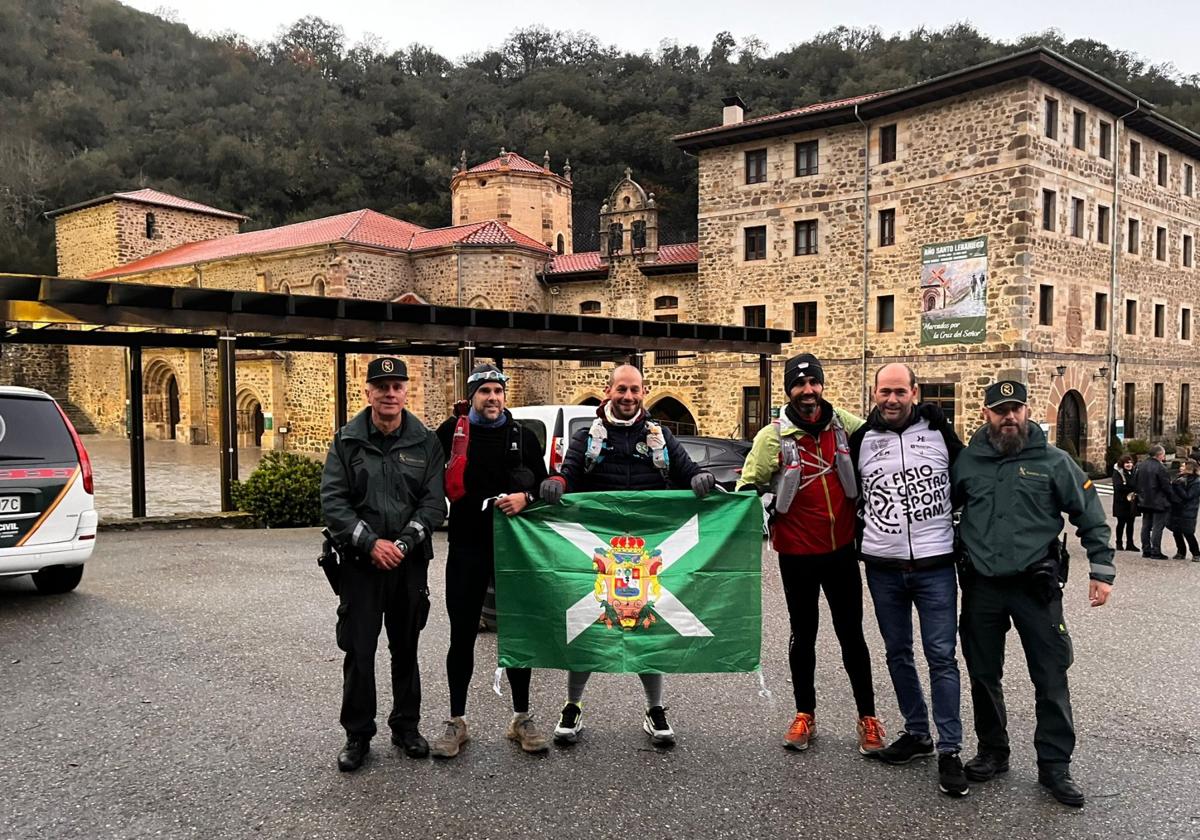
{"points": [[702, 484], [551, 491]]}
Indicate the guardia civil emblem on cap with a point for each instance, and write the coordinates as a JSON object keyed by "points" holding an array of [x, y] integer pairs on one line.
{"points": [[389, 366], [1006, 389]]}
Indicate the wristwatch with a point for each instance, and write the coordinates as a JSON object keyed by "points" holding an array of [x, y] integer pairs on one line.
{"points": [[529, 497], [402, 545]]}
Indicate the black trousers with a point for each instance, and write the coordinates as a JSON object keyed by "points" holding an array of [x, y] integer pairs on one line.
{"points": [[989, 607], [837, 573], [1185, 538], [1124, 531], [468, 572], [397, 599]]}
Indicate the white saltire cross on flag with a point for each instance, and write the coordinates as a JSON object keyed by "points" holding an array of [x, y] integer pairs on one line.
{"points": [[582, 614]]}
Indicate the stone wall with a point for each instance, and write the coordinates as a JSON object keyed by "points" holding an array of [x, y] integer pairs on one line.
{"points": [[87, 240], [171, 228], [537, 204], [35, 366]]}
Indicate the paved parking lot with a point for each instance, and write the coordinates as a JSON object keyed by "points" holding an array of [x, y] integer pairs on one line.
{"points": [[189, 688]]}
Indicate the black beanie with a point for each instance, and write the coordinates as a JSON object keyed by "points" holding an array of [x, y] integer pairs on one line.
{"points": [[484, 373], [806, 364]]}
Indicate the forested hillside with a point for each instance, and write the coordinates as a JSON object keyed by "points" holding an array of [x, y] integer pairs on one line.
{"points": [[97, 97]]}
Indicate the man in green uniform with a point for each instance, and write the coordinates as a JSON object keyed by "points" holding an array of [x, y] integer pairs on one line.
{"points": [[1013, 489], [381, 497]]}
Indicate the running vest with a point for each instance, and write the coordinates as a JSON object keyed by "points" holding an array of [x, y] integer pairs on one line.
{"points": [[791, 477], [456, 467], [597, 443]]}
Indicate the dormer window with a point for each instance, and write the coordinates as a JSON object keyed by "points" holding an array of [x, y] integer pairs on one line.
{"points": [[150, 226]]}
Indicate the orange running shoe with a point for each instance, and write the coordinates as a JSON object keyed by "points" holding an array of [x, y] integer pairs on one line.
{"points": [[800, 732], [870, 734]]}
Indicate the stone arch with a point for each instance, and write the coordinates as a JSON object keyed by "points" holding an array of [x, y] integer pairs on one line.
{"points": [[1079, 385], [589, 397], [285, 288], [318, 284], [1070, 428], [250, 421], [930, 299], [560, 244], [672, 411], [480, 302], [161, 408]]}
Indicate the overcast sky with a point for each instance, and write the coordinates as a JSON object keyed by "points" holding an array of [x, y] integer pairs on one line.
{"points": [[1163, 31]]}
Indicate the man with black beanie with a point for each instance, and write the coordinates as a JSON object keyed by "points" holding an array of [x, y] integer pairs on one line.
{"points": [[804, 459], [490, 456]]}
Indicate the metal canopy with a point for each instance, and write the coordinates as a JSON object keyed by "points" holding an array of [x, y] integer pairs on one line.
{"points": [[52, 310]]}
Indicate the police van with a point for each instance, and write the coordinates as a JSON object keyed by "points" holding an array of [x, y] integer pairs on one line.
{"points": [[47, 510]]}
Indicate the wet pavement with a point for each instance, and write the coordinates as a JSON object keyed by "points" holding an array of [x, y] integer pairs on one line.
{"points": [[179, 478], [189, 688]]}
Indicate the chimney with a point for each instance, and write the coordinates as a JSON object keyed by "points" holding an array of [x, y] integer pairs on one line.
{"points": [[735, 110]]}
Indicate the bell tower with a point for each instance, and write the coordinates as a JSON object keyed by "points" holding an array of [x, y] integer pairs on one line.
{"points": [[514, 190], [629, 223]]}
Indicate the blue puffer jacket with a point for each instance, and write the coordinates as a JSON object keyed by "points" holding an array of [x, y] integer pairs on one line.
{"points": [[623, 466]]}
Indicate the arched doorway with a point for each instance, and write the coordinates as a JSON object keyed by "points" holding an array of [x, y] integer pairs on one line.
{"points": [[1068, 434], [589, 401], [674, 416], [250, 421], [172, 406]]}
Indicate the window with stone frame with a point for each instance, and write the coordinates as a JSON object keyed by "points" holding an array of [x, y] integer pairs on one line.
{"points": [[616, 238], [1162, 169], [151, 225], [1189, 180], [804, 318], [1051, 127], [806, 158], [1105, 140], [805, 232], [885, 313], [887, 143], [1188, 251], [1157, 406], [590, 307], [755, 243], [754, 316], [1185, 324], [1160, 244], [1101, 313], [1079, 129], [1129, 406], [1046, 305], [887, 227], [1135, 236], [666, 302], [1103, 224], [940, 394], [1077, 217], [1135, 158], [1184, 418], [1160, 320], [1049, 209], [756, 166], [637, 234], [1130, 317]]}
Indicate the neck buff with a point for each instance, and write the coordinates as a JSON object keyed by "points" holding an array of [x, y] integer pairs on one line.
{"points": [[477, 419], [609, 418]]}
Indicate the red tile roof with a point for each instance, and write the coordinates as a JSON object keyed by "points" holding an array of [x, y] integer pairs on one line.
{"points": [[814, 108], [681, 254], [153, 198], [509, 160], [362, 227]]}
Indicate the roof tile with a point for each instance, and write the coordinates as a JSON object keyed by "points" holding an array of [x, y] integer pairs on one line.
{"points": [[509, 160]]}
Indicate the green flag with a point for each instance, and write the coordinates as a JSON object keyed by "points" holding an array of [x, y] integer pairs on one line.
{"points": [[633, 582]]}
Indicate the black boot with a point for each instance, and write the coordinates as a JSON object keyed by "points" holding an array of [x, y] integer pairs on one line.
{"points": [[986, 766], [353, 754], [412, 742], [1061, 786], [1133, 547]]}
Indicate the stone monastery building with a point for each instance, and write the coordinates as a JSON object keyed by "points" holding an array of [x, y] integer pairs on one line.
{"points": [[1024, 217]]}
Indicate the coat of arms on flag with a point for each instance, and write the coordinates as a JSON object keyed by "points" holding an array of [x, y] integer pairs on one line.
{"points": [[633, 581]]}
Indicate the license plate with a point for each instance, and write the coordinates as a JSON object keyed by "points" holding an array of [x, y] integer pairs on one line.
{"points": [[10, 504]]}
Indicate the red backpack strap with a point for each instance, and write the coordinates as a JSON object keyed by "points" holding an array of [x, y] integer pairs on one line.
{"points": [[456, 467]]}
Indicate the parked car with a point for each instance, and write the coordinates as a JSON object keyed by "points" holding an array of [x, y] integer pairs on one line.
{"points": [[723, 457], [47, 509], [553, 425]]}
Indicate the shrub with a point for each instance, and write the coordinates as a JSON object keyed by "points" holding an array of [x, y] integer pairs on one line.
{"points": [[1184, 439], [1113, 453], [1137, 446], [284, 491]]}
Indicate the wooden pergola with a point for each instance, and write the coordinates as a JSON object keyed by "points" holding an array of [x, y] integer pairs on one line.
{"points": [[59, 311]]}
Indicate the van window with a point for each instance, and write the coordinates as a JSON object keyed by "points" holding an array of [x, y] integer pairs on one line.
{"points": [[577, 424], [538, 428], [33, 430]]}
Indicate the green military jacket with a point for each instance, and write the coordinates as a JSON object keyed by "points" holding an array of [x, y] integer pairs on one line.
{"points": [[1012, 507], [366, 495]]}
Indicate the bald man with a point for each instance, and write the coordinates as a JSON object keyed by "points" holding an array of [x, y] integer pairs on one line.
{"points": [[623, 449], [902, 457]]}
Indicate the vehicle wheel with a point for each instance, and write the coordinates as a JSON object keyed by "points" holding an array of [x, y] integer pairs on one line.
{"points": [[55, 580]]}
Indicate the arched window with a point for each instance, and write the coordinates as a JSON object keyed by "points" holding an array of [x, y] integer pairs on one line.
{"points": [[151, 226], [638, 234], [285, 288], [561, 244], [666, 302], [319, 286], [589, 307], [616, 238]]}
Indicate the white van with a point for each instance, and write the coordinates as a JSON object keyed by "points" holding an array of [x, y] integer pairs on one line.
{"points": [[553, 426], [47, 512]]}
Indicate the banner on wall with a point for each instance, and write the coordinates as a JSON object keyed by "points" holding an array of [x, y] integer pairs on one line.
{"points": [[954, 292]]}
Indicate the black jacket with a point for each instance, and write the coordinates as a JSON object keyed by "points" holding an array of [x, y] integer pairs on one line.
{"points": [[1185, 498], [1124, 483], [623, 466], [1153, 486]]}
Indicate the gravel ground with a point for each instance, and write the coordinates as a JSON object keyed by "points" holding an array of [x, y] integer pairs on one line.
{"points": [[189, 688]]}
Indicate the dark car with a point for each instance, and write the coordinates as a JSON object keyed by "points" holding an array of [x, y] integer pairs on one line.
{"points": [[722, 457]]}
